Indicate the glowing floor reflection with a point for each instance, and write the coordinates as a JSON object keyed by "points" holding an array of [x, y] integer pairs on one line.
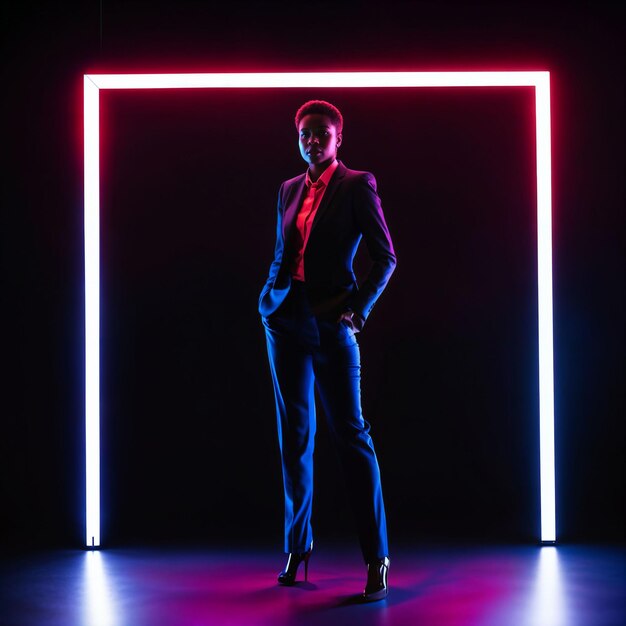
{"points": [[99, 605], [430, 586], [547, 606]]}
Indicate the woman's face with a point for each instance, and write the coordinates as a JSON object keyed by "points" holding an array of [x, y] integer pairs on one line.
{"points": [[318, 139]]}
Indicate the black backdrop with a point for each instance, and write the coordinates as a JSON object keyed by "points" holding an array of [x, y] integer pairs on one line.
{"points": [[189, 182]]}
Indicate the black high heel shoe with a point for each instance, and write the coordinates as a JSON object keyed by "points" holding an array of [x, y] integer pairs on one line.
{"points": [[288, 575], [376, 587]]}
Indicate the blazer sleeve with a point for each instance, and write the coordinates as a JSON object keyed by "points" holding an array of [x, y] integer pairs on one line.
{"points": [[370, 220], [278, 248]]}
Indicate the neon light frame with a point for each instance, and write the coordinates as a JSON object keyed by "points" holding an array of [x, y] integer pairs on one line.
{"points": [[93, 83]]}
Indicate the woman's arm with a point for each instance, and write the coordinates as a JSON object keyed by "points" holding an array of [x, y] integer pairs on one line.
{"points": [[370, 219], [278, 251]]}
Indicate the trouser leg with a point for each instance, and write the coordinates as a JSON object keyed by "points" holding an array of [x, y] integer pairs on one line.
{"points": [[338, 376], [292, 375]]}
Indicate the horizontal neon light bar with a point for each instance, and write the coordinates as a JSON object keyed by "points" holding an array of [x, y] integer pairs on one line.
{"points": [[540, 80], [318, 79]]}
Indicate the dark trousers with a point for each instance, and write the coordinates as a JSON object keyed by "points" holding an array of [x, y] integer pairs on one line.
{"points": [[305, 351]]}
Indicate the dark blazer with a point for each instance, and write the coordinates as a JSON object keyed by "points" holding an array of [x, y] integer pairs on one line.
{"points": [[350, 209]]}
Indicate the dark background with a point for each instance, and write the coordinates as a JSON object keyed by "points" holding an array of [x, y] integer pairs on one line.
{"points": [[189, 182]]}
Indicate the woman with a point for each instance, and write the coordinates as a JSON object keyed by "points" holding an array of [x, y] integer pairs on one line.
{"points": [[311, 309]]}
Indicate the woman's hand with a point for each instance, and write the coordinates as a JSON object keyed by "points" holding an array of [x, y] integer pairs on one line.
{"points": [[347, 317]]}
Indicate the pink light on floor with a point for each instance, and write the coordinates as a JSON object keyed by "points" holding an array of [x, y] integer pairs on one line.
{"points": [[539, 80], [469, 586]]}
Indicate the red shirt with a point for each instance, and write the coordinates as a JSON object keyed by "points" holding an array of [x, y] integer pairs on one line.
{"points": [[306, 215]]}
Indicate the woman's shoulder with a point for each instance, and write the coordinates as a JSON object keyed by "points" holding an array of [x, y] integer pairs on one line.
{"points": [[360, 177], [293, 181], [350, 175]]}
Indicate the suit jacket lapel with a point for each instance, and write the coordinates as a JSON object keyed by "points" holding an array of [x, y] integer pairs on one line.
{"points": [[294, 202], [333, 185], [296, 195]]}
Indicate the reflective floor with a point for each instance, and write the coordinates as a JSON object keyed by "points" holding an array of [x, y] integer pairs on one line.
{"points": [[429, 586]]}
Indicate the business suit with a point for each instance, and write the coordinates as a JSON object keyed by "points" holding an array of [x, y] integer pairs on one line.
{"points": [[307, 345]]}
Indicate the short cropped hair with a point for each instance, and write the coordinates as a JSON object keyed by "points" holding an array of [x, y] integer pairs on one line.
{"points": [[321, 107]]}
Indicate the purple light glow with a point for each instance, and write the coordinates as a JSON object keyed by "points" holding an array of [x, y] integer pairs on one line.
{"points": [[433, 587], [539, 80]]}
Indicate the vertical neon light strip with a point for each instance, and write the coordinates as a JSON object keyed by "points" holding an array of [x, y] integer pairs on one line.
{"points": [[539, 80], [544, 288], [92, 310]]}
